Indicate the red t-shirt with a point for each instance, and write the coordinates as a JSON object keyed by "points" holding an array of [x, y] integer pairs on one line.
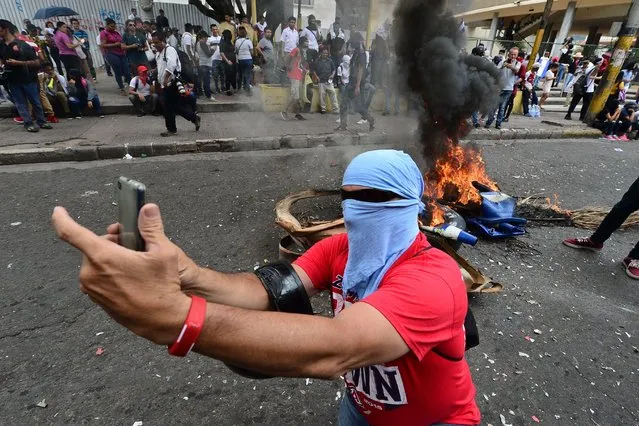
{"points": [[295, 72], [424, 297]]}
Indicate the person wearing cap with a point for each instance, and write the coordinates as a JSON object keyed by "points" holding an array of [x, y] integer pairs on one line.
{"points": [[397, 337], [314, 37], [573, 66], [141, 92]]}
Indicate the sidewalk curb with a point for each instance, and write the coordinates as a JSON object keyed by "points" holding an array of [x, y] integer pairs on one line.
{"points": [[156, 149], [203, 107]]}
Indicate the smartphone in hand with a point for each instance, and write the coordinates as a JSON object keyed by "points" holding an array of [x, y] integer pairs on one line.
{"points": [[131, 198]]}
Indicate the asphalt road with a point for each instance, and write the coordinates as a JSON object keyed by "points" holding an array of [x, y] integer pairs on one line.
{"points": [[582, 369]]}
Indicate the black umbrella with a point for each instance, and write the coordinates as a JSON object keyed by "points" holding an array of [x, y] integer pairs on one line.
{"points": [[50, 12]]}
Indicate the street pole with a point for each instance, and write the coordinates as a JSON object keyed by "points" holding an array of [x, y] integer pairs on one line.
{"points": [[622, 47], [372, 22], [299, 14], [540, 31], [253, 12]]}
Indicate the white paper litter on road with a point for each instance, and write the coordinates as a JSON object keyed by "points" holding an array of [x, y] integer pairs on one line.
{"points": [[99, 333], [16, 223], [338, 396], [524, 354], [308, 381], [618, 149], [127, 157], [42, 404], [89, 193], [503, 420], [138, 423]]}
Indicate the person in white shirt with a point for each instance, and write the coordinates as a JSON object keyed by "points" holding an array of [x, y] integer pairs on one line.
{"points": [[547, 86], [244, 52], [509, 69], [173, 40], [133, 15], [585, 92], [188, 44], [217, 68], [173, 100], [314, 36], [141, 93], [290, 37], [260, 27]]}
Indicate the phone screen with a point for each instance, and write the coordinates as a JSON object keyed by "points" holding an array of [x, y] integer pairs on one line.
{"points": [[131, 198]]}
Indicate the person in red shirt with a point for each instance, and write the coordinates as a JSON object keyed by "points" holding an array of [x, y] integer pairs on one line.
{"points": [[397, 336], [297, 69]]}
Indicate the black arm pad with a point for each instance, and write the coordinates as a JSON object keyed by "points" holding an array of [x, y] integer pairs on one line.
{"points": [[287, 294], [284, 288]]}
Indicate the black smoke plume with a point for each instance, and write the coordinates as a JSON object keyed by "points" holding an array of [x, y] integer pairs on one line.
{"points": [[451, 84]]}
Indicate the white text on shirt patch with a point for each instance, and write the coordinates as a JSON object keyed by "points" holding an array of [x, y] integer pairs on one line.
{"points": [[380, 383]]}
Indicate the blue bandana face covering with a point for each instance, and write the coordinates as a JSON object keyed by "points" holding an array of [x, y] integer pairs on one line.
{"points": [[379, 233]]}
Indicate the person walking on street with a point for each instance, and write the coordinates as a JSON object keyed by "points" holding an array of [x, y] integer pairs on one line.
{"points": [[174, 103], [509, 74], [323, 71], [141, 93], [628, 204], [111, 42], [356, 90], [21, 65]]}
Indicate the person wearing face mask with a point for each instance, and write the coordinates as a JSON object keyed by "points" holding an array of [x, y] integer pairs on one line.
{"points": [[397, 336]]}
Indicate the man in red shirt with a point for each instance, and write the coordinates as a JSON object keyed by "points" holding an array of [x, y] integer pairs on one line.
{"points": [[397, 337], [297, 69]]}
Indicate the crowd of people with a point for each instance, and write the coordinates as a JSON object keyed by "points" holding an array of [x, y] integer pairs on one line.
{"points": [[203, 64], [577, 78]]}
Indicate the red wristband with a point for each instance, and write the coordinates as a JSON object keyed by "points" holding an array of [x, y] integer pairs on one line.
{"points": [[191, 328]]}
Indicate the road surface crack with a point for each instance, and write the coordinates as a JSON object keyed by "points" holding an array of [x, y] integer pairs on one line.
{"points": [[70, 321]]}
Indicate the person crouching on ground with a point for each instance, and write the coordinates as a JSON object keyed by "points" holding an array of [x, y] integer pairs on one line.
{"points": [[82, 94], [172, 90], [399, 303], [141, 92], [55, 90], [606, 120]]}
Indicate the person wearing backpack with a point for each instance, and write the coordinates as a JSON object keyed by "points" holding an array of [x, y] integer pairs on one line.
{"points": [[584, 87], [169, 69]]}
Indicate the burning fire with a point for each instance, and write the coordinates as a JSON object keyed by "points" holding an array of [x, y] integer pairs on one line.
{"points": [[450, 181]]}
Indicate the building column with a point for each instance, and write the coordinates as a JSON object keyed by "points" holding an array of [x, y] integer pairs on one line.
{"points": [[492, 33], [564, 30], [593, 39]]}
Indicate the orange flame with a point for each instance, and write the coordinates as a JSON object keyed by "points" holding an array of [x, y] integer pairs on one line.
{"points": [[450, 181]]}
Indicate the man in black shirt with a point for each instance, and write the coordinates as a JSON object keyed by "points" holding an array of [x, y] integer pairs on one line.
{"points": [[323, 71], [20, 65], [161, 21], [358, 90]]}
